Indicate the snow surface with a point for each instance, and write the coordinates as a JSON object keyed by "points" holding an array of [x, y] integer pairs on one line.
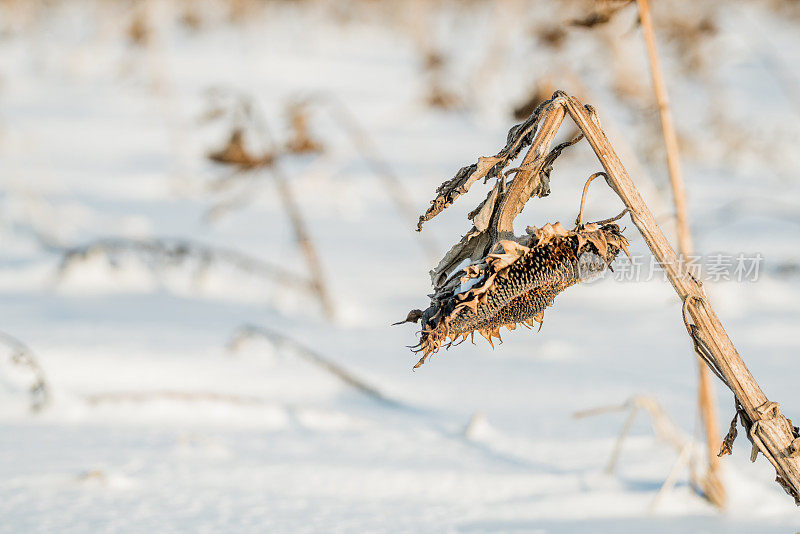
{"points": [[156, 425]]}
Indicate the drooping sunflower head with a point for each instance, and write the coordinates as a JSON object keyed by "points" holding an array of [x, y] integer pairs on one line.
{"points": [[515, 283]]}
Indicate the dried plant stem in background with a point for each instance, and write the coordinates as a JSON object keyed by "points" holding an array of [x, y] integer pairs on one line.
{"points": [[668, 130], [367, 149], [144, 32], [244, 114], [303, 240], [236, 154], [300, 141], [712, 485], [664, 428]]}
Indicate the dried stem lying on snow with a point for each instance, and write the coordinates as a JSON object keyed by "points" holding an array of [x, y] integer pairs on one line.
{"points": [[771, 433], [172, 395], [251, 331], [22, 356], [167, 252], [368, 150]]}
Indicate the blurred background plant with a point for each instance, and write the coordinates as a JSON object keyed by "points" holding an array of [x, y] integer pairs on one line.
{"points": [[171, 170]]}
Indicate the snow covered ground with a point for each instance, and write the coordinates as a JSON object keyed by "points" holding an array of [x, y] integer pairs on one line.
{"points": [[156, 422]]}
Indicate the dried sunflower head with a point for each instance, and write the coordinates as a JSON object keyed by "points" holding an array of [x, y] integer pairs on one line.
{"points": [[515, 282]]}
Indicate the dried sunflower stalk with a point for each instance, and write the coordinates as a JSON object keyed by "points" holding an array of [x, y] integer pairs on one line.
{"points": [[515, 283], [503, 283]]}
